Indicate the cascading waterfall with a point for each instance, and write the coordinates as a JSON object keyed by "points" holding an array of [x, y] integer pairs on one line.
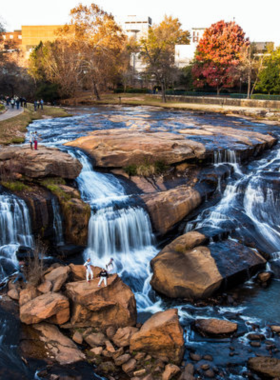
{"points": [[117, 230], [57, 223], [15, 230]]}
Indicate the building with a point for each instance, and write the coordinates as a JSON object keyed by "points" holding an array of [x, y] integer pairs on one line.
{"points": [[12, 40], [32, 35], [137, 27], [184, 54]]}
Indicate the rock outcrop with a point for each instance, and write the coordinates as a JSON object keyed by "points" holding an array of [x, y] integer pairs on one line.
{"points": [[184, 270], [102, 307], [169, 207], [61, 348], [44, 162], [119, 148], [53, 307], [161, 336]]}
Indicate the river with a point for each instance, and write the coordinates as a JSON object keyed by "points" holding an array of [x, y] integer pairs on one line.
{"points": [[246, 208]]}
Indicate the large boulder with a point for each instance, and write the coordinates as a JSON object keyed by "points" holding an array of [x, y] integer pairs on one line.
{"points": [[43, 162], [184, 270], [215, 327], [57, 277], [265, 366], [63, 349], [119, 148], [169, 207], [102, 307], [53, 307], [161, 336]]}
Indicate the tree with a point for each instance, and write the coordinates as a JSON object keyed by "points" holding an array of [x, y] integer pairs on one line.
{"points": [[269, 78], [87, 54], [157, 51], [218, 55], [101, 43]]}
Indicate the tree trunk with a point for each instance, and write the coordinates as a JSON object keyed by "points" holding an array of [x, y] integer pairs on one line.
{"points": [[218, 90], [249, 85], [163, 95], [96, 91]]}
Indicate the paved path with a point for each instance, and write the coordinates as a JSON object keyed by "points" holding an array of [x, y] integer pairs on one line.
{"points": [[11, 113]]}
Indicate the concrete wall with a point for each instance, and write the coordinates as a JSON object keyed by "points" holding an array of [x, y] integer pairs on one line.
{"points": [[224, 101]]}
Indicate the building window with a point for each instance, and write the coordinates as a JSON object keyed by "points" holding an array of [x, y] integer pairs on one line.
{"points": [[20, 37], [11, 36]]}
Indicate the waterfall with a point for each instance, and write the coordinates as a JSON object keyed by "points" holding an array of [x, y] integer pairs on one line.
{"points": [[15, 230], [118, 230], [57, 223], [229, 157]]}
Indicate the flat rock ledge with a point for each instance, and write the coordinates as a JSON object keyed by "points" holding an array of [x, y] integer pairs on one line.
{"points": [[39, 163]]}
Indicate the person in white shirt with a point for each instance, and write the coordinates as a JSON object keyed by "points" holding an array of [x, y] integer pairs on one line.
{"points": [[110, 265], [89, 272]]}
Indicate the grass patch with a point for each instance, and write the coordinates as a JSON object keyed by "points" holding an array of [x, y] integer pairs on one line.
{"points": [[12, 130], [61, 195], [15, 185], [53, 181], [146, 169]]}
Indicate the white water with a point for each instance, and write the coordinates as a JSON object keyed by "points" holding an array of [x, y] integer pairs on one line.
{"points": [[57, 223], [228, 156], [15, 230]]}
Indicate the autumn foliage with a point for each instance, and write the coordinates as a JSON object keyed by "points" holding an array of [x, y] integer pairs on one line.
{"points": [[218, 55]]}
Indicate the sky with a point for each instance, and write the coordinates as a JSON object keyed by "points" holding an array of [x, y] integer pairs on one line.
{"points": [[258, 18]]}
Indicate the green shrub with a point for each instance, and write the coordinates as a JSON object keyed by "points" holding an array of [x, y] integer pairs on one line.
{"points": [[17, 140], [146, 169], [15, 185], [131, 170], [53, 181]]}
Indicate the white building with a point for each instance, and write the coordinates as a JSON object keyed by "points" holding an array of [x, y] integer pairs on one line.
{"points": [[184, 54]]}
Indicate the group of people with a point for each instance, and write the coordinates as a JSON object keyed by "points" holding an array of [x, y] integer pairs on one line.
{"points": [[33, 139], [38, 103], [16, 101], [104, 274]]}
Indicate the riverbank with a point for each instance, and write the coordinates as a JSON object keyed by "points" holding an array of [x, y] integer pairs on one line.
{"points": [[258, 113], [12, 130]]}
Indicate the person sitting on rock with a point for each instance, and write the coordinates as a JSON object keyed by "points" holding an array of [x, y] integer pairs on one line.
{"points": [[20, 274], [110, 265], [103, 277], [89, 272]]}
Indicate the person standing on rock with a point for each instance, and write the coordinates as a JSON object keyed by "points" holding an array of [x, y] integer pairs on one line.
{"points": [[31, 140], [89, 272], [110, 265], [103, 277], [35, 140]]}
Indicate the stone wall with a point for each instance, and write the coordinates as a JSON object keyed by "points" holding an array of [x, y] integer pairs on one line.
{"points": [[223, 101]]}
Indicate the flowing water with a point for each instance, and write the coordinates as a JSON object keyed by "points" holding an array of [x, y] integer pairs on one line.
{"points": [[15, 230], [120, 227]]}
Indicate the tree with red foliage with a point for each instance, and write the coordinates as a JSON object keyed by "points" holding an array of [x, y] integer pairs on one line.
{"points": [[218, 55]]}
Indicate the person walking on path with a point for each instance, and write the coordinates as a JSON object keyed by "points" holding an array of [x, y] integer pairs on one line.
{"points": [[110, 265], [31, 140], [42, 104], [35, 140], [35, 105], [103, 277], [13, 103], [89, 272], [17, 103]]}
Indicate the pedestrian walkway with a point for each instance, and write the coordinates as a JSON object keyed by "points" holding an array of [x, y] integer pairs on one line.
{"points": [[11, 113]]}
